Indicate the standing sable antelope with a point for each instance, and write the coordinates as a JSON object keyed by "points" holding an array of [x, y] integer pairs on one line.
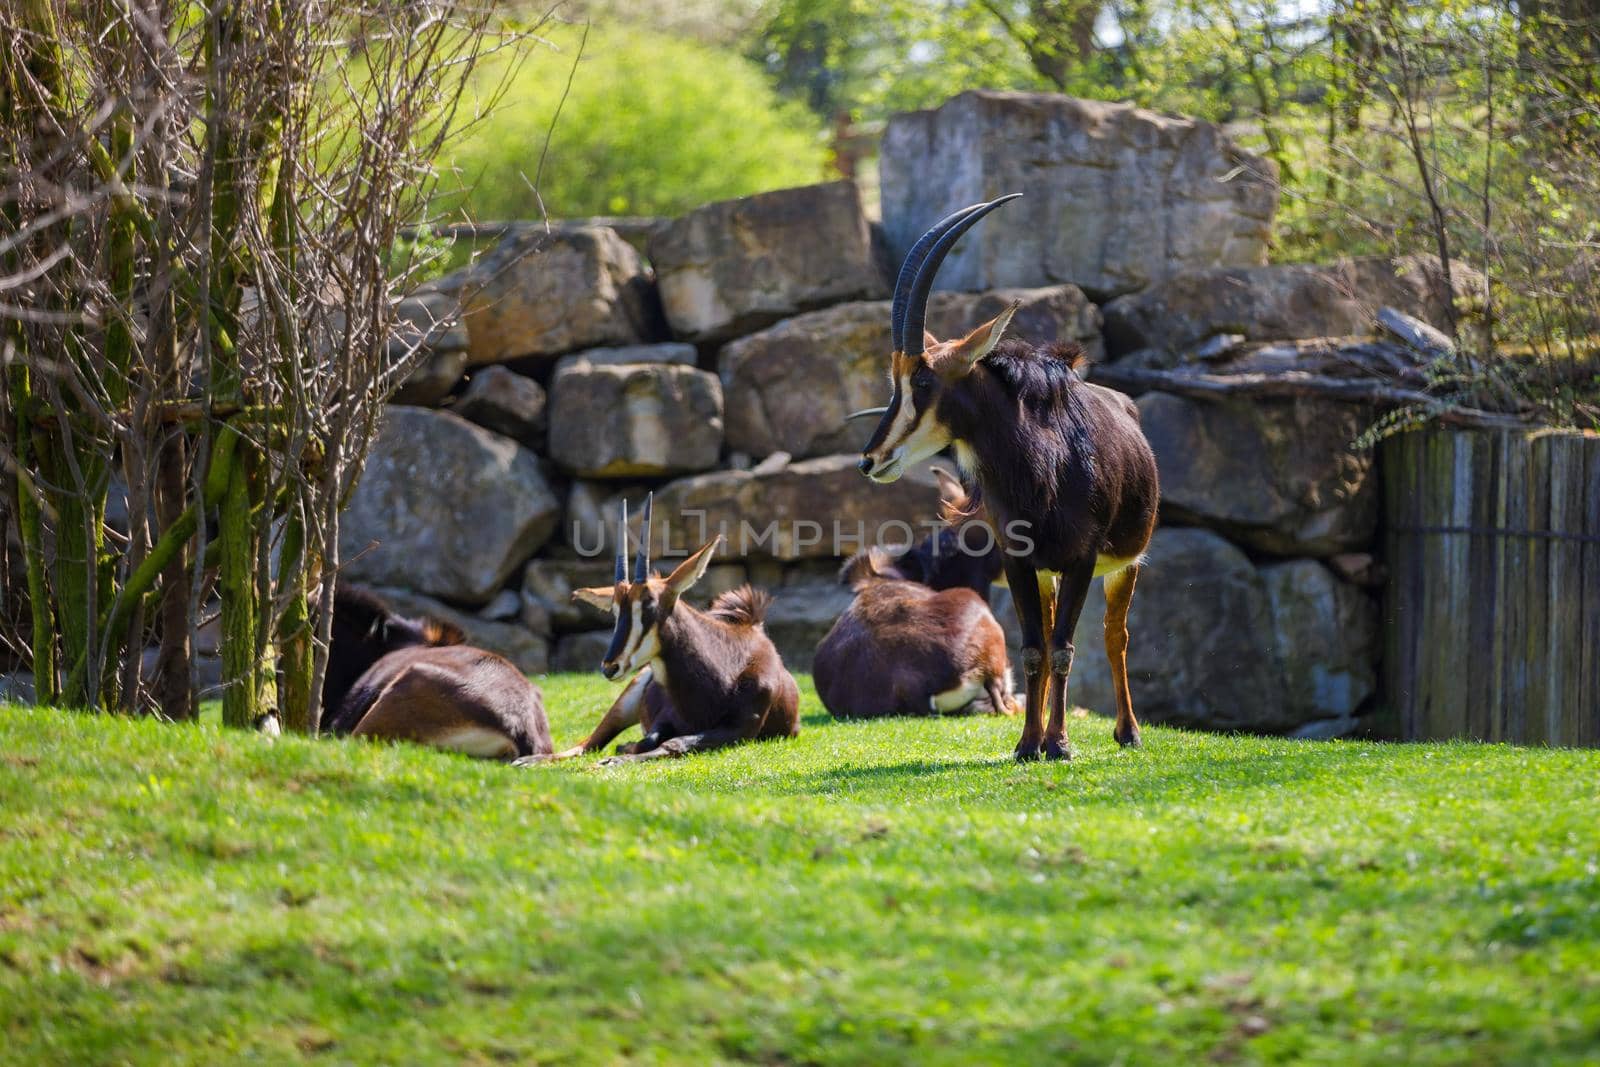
{"points": [[415, 680], [703, 679], [1061, 466], [902, 648]]}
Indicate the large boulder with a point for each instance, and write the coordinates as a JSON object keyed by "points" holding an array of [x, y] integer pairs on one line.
{"points": [[737, 265], [542, 294], [505, 403], [527, 648], [1280, 475], [1117, 197], [1219, 644], [634, 419], [812, 509], [790, 386], [1285, 302], [445, 508]]}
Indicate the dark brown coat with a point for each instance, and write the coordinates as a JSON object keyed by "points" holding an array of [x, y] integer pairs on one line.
{"points": [[1065, 473], [414, 680], [902, 648]]}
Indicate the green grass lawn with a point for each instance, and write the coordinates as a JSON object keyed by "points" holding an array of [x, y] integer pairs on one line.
{"points": [[890, 892]]}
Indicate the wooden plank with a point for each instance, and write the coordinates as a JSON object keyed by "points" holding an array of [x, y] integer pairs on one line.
{"points": [[1563, 663], [1437, 491], [1405, 459], [1588, 699], [1409, 614], [1508, 716], [1481, 574], [1532, 728]]}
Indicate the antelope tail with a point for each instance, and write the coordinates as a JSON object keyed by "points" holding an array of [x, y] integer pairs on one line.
{"points": [[745, 605]]}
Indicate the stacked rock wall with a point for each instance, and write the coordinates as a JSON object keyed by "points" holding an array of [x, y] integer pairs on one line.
{"points": [[574, 375]]}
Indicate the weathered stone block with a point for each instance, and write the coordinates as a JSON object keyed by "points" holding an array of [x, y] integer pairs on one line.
{"points": [[1280, 475], [671, 352], [1284, 302], [445, 507], [812, 509], [790, 386], [435, 374], [548, 584], [590, 525], [1325, 633], [1116, 197], [506, 403], [540, 294], [635, 419], [737, 265]]}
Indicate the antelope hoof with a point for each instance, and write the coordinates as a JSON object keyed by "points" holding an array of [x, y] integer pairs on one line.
{"points": [[1129, 738], [1028, 751], [1058, 750]]}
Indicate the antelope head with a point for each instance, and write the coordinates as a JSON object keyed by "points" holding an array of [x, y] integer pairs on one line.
{"points": [[641, 602], [923, 370]]}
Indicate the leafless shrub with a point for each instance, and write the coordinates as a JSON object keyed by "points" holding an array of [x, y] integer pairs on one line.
{"points": [[198, 208]]}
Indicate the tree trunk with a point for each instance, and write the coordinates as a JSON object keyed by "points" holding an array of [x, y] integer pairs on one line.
{"points": [[174, 680], [236, 584]]}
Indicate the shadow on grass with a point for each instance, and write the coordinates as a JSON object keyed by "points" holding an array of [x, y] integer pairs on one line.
{"points": [[1116, 778]]}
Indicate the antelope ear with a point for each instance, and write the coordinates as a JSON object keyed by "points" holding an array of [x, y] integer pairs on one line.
{"points": [[596, 598], [693, 569], [950, 490], [966, 352], [928, 339]]}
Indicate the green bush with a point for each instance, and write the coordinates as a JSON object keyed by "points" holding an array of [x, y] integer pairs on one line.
{"points": [[652, 126]]}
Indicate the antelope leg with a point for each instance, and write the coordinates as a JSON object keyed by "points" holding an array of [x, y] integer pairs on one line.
{"points": [[1071, 592], [1119, 594], [1024, 582], [624, 712]]}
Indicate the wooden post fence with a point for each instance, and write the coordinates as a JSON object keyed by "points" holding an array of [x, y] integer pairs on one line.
{"points": [[1492, 614]]}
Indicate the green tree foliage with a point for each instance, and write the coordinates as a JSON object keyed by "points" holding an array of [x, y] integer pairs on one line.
{"points": [[651, 125]]}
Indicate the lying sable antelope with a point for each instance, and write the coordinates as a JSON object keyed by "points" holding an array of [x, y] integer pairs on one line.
{"points": [[1062, 468], [702, 679], [415, 680], [954, 557], [902, 648]]}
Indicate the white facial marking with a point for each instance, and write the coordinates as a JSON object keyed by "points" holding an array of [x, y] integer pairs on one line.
{"points": [[916, 436], [642, 646]]}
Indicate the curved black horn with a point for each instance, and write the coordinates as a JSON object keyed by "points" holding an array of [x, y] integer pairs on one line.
{"points": [[913, 264], [641, 562], [864, 412], [916, 313], [622, 547]]}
